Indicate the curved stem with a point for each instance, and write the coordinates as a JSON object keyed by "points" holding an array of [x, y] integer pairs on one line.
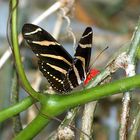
{"points": [[56, 104], [17, 108], [101, 91], [33, 128], [19, 66]]}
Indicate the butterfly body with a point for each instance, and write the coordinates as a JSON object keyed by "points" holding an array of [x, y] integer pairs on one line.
{"points": [[62, 71]]}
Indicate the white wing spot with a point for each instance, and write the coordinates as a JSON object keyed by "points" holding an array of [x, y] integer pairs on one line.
{"points": [[87, 34], [33, 32], [85, 45]]}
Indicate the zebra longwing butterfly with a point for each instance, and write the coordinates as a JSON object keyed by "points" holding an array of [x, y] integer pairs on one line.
{"points": [[62, 71]]}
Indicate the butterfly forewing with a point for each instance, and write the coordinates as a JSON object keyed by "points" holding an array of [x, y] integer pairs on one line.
{"points": [[54, 60]]}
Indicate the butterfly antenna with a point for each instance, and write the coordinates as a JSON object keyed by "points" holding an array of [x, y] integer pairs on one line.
{"points": [[93, 62]]}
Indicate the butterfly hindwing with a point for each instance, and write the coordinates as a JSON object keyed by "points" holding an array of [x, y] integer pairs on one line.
{"points": [[79, 69], [83, 51]]}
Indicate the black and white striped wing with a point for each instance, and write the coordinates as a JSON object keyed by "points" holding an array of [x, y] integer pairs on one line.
{"points": [[78, 71], [83, 51], [54, 61]]}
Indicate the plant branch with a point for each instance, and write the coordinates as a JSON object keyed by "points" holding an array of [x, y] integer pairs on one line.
{"points": [[135, 43], [54, 105], [16, 52], [33, 128], [17, 108], [135, 126], [15, 99], [129, 66]]}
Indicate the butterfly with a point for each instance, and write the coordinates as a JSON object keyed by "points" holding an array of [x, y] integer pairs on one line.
{"points": [[63, 72]]}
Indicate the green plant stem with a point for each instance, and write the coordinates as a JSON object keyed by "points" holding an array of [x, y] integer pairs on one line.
{"points": [[99, 92], [33, 128], [56, 104], [17, 108], [19, 66]]}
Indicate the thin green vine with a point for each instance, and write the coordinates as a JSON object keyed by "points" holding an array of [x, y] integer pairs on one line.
{"points": [[17, 108], [19, 66]]}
